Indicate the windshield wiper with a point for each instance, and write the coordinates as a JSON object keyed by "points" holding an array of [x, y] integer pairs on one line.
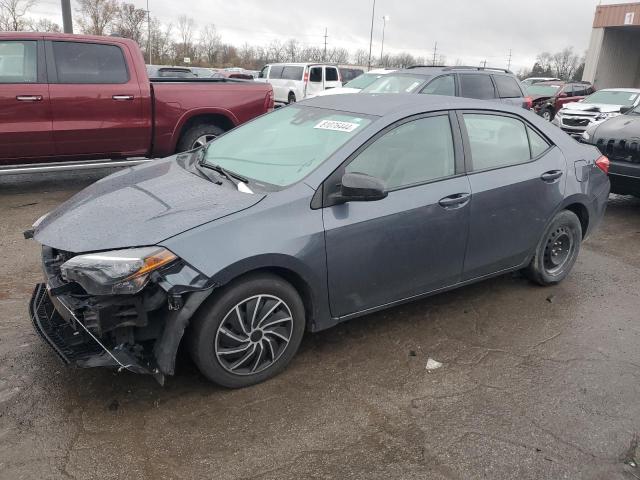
{"points": [[231, 176]]}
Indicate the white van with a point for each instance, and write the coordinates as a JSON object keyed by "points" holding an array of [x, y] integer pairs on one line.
{"points": [[293, 82]]}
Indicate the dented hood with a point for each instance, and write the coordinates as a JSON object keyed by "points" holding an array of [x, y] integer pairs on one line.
{"points": [[592, 107], [140, 206]]}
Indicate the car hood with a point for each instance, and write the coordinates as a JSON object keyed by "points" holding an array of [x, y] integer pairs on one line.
{"points": [[539, 98], [622, 127], [140, 206], [592, 107]]}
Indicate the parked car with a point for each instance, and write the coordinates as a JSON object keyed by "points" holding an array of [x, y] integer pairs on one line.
{"points": [[549, 97], [165, 71], [532, 80], [350, 72], [574, 118], [293, 82], [303, 218], [470, 82], [81, 97], [233, 74], [619, 139], [204, 72], [356, 85]]}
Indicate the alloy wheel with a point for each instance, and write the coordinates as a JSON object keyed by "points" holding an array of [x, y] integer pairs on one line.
{"points": [[253, 335], [202, 140]]}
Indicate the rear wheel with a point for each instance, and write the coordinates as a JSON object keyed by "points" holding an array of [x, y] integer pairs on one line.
{"points": [[547, 114], [248, 332], [557, 251], [292, 97], [198, 136]]}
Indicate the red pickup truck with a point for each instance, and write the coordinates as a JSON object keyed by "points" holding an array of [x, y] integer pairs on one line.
{"points": [[71, 97]]}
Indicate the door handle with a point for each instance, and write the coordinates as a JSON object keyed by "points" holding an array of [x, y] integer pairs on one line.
{"points": [[551, 176], [122, 98], [456, 200], [29, 98]]}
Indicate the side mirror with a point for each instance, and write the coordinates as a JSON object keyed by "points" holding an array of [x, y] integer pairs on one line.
{"points": [[359, 187], [626, 108]]}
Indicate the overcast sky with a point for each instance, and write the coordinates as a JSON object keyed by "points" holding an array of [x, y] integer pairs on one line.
{"points": [[466, 30]]}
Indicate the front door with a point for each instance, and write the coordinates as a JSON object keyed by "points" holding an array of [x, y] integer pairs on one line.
{"points": [[517, 181], [96, 101], [25, 111], [410, 242]]}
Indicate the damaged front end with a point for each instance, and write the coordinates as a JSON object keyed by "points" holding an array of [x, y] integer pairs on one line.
{"points": [[124, 309]]}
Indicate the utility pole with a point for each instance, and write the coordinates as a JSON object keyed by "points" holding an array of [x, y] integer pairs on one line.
{"points": [[509, 62], [324, 55], [385, 19], [67, 23], [373, 16], [435, 51], [484, 64], [149, 33]]}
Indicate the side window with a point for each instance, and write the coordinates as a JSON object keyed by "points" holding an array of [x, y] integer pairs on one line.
{"points": [[415, 152], [444, 85], [331, 74], [579, 90], [476, 86], [568, 90], [292, 73], [18, 62], [315, 74], [89, 63], [507, 86], [496, 141], [276, 72], [538, 144], [263, 72]]}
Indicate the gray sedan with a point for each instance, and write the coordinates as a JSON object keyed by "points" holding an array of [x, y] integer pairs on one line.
{"points": [[306, 217]]}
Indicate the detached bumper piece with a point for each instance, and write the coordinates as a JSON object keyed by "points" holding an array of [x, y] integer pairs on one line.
{"points": [[74, 344]]}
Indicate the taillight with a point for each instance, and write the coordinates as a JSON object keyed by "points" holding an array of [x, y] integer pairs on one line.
{"points": [[306, 76], [528, 103], [269, 101], [603, 164]]}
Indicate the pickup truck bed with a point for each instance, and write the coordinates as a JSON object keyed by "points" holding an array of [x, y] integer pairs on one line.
{"points": [[72, 97]]}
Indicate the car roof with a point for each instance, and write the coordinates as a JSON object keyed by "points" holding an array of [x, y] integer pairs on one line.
{"points": [[381, 104]]}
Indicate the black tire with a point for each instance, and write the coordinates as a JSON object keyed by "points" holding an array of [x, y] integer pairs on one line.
{"points": [[557, 250], [207, 331], [190, 137], [292, 97], [547, 114]]}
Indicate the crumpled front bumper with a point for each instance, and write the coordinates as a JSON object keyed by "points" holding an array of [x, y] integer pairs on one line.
{"points": [[74, 343]]}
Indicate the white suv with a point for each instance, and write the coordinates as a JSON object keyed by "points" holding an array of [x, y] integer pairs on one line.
{"points": [[293, 82]]}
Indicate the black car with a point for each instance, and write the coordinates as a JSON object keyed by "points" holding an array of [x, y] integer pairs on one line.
{"points": [[619, 139], [483, 83]]}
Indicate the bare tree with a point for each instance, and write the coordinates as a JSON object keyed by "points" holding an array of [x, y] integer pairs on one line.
{"points": [[97, 16], [45, 25], [184, 47], [247, 56], [564, 63], [210, 44], [338, 55], [360, 57], [130, 22], [276, 51], [13, 14], [161, 44], [292, 50]]}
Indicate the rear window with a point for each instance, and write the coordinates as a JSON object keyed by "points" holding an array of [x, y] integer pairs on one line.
{"points": [[331, 74], [477, 86], [613, 97], [292, 73], [89, 63], [396, 84], [507, 86]]}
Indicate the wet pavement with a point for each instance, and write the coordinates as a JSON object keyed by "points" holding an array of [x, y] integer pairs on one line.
{"points": [[536, 383]]}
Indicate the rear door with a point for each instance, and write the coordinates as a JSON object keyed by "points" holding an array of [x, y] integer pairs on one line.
{"points": [[331, 78], [25, 110], [410, 242], [315, 85], [96, 100], [508, 90], [517, 179], [476, 85]]}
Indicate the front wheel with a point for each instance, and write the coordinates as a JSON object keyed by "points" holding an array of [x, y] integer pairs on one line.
{"points": [[248, 332], [292, 97], [547, 114], [557, 251]]}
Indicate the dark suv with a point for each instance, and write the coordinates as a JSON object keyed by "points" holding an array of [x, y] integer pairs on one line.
{"points": [[549, 97], [471, 82]]}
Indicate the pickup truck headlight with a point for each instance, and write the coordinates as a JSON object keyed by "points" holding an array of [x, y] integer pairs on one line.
{"points": [[116, 272]]}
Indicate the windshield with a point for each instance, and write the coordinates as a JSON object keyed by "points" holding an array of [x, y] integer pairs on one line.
{"points": [[396, 84], [283, 147], [543, 90], [613, 97], [363, 81]]}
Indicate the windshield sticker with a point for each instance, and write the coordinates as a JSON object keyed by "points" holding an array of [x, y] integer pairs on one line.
{"points": [[337, 126]]}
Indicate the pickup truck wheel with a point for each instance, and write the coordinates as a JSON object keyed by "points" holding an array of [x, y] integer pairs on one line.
{"points": [[198, 136], [547, 114], [557, 251], [292, 97], [248, 332]]}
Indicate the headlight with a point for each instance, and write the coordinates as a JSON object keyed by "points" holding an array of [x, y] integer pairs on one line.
{"points": [[586, 136], [116, 272], [604, 116]]}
